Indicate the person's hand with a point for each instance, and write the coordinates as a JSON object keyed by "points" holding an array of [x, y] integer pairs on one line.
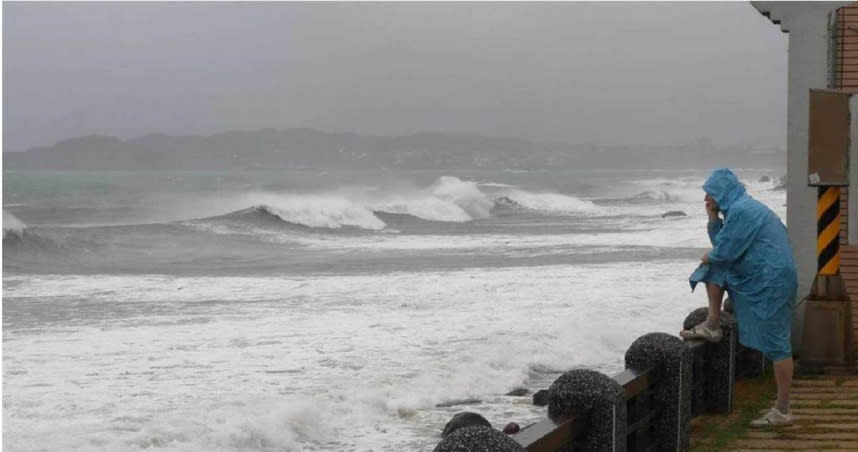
{"points": [[705, 258], [711, 209]]}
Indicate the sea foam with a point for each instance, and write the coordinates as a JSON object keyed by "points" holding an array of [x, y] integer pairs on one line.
{"points": [[326, 362]]}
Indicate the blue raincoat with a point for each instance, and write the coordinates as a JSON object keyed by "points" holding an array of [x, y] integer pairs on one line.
{"points": [[752, 259]]}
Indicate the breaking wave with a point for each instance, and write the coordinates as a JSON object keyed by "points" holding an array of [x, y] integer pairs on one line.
{"points": [[12, 226], [324, 212], [269, 217], [550, 203], [655, 195], [449, 199]]}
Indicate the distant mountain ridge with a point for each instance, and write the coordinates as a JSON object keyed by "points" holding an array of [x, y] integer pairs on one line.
{"points": [[314, 149]]}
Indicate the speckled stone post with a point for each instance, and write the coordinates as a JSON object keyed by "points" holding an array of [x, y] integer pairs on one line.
{"points": [[750, 363], [670, 360], [464, 419], [587, 391], [478, 439], [719, 363]]}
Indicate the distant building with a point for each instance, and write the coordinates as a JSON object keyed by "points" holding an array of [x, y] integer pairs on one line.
{"points": [[823, 54]]}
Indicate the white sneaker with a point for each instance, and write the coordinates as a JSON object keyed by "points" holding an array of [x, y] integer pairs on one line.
{"points": [[773, 418]]}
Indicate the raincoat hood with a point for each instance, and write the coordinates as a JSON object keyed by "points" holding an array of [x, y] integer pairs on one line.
{"points": [[724, 187]]}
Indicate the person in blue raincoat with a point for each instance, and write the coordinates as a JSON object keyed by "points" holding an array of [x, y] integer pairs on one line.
{"points": [[751, 258]]}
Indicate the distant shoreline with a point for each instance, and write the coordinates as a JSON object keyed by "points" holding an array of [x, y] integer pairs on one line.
{"points": [[309, 149]]}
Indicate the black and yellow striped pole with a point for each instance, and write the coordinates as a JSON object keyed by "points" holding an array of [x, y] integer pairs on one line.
{"points": [[828, 300], [827, 333], [828, 284], [828, 231]]}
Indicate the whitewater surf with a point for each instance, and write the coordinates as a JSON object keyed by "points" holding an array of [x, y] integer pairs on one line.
{"points": [[323, 310]]}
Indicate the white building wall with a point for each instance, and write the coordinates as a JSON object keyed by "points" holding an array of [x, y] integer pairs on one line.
{"points": [[808, 26]]}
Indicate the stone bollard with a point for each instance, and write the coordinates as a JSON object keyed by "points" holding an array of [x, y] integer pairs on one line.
{"points": [[670, 361], [719, 369], [750, 363], [589, 392], [464, 419], [540, 398], [728, 306], [478, 438]]}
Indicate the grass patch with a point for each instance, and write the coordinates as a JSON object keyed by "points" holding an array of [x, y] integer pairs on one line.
{"points": [[714, 433]]}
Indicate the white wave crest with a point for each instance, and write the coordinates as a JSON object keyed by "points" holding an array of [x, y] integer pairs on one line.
{"points": [[318, 211], [682, 189], [552, 202], [495, 185], [448, 199], [464, 194], [12, 225], [428, 208], [657, 195]]}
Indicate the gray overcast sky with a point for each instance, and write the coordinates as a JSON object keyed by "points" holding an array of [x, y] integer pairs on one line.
{"points": [[608, 73]]}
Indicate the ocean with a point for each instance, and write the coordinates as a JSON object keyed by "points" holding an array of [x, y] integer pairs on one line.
{"points": [[328, 310]]}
